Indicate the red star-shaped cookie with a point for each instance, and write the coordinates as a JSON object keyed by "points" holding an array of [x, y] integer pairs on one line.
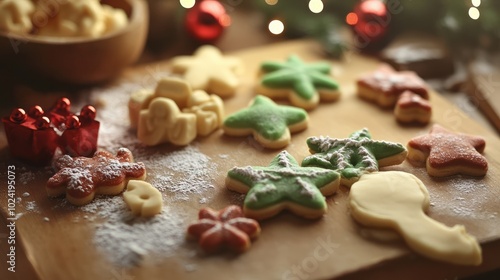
{"points": [[82, 178], [446, 153], [224, 228]]}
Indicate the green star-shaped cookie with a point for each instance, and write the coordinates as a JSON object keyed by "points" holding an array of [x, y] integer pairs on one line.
{"points": [[353, 156], [303, 84], [271, 124], [284, 184]]}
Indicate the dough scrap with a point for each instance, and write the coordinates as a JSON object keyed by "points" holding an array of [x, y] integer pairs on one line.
{"points": [[397, 200], [143, 199]]}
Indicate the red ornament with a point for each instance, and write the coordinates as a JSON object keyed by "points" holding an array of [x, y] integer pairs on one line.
{"points": [[34, 137], [207, 20], [370, 22]]}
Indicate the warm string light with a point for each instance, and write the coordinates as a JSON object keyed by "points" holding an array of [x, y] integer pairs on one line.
{"points": [[271, 2], [276, 27], [351, 18], [187, 4], [316, 6], [474, 11]]}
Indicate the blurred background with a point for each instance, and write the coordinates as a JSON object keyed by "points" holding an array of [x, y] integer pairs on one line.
{"points": [[453, 44], [450, 43]]}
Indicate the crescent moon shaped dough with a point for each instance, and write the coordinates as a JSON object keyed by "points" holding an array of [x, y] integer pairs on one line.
{"points": [[397, 200]]}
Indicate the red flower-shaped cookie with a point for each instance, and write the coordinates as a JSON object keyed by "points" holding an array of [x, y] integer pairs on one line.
{"points": [[446, 153], [82, 178], [224, 228]]}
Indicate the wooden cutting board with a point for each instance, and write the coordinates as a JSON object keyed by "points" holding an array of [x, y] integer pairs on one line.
{"points": [[483, 89], [58, 238]]}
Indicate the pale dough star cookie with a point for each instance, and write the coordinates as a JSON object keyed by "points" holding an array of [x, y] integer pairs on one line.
{"points": [[209, 70], [397, 200]]}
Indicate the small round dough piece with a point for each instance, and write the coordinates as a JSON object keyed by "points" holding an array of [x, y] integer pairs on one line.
{"points": [[143, 199]]}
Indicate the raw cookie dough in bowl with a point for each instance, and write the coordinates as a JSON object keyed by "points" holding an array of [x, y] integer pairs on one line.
{"points": [[87, 48]]}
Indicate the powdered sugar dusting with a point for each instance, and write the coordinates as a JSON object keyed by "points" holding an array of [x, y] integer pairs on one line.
{"points": [[125, 240], [468, 197], [182, 173]]}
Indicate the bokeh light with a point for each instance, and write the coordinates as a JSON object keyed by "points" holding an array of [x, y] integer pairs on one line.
{"points": [[351, 18], [476, 3], [316, 6], [276, 27], [188, 4], [474, 13], [271, 2]]}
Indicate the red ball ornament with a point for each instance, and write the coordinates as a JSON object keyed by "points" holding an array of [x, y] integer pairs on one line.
{"points": [[370, 23], [18, 115], [207, 20]]}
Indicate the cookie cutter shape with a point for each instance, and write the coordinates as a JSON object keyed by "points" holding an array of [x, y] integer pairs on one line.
{"points": [[81, 178], [303, 84], [284, 184], [228, 227], [15, 16], [36, 135], [173, 88], [269, 123], [412, 108], [209, 70], [208, 110], [142, 199], [163, 122], [384, 86], [445, 153], [354, 156], [398, 200]]}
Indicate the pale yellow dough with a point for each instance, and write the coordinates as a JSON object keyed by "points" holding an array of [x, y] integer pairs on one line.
{"points": [[201, 113], [15, 16], [209, 70], [163, 122], [143, 199], [397, 200], [69, 18]]}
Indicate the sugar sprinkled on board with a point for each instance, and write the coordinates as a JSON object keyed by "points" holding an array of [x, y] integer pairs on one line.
{"points": [[124, 239], [185, 172], [31, 206], [468, 197]]}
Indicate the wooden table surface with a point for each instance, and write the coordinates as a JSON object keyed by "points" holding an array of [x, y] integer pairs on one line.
{"points": [[24, 94]]}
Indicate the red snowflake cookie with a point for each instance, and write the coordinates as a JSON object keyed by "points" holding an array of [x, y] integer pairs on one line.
{"points": [[225, 228], [82, 178]]}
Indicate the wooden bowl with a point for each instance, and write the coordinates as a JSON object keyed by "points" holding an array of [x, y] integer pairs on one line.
{"points": [[78, 61]]}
